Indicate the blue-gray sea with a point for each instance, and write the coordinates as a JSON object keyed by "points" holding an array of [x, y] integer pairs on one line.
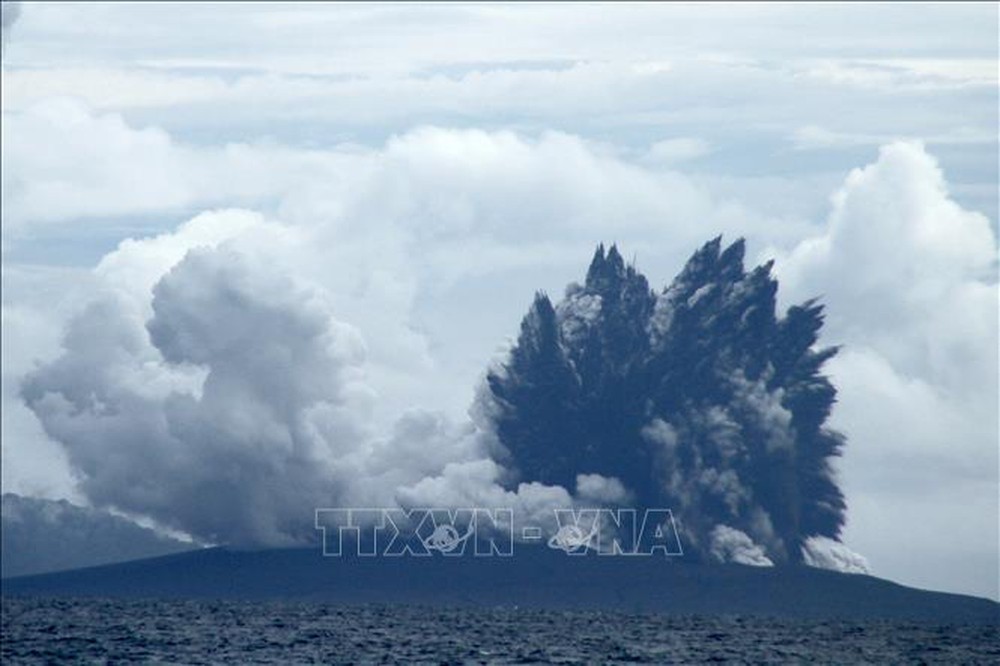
{"points": [[200, 632]]}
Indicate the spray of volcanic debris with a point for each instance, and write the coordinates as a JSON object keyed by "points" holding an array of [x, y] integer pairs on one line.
{"points": [[699, 398]]}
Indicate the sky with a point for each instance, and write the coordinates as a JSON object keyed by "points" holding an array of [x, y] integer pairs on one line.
{"points": [[394, 182]]}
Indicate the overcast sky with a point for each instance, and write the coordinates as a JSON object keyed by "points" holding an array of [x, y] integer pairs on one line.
{"points": [[422, 169]]}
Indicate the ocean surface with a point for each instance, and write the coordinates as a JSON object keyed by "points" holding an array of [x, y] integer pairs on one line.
{"points": [[198, 632]]}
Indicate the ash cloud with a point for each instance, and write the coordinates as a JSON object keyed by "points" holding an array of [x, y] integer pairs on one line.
{"points": [[699, 398]]}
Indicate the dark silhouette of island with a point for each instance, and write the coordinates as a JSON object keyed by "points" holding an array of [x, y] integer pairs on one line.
{"points": [[535, 577], [40, 536]]}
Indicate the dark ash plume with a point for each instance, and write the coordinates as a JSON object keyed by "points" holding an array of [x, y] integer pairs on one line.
{"points": [[699, 398]]}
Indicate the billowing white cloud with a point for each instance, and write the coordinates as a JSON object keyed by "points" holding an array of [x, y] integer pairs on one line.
{"points": [[221, 419], [426, 184], [205, 387], [829, 554], [484, 483], [132, 170], [906, 272], [134, 267], [601, 490], [37, 301], [909, 278], [478, 484], [732, 545]]}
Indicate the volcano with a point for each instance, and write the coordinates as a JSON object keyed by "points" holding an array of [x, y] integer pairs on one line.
{"points": [[536, 577]]}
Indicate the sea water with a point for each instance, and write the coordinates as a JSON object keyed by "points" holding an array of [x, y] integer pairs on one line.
{"points": [[201, 632]]}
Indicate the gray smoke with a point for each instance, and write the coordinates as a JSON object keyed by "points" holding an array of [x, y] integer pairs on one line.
{"points": [[222, 419], [233, 404], [731, 545]]}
